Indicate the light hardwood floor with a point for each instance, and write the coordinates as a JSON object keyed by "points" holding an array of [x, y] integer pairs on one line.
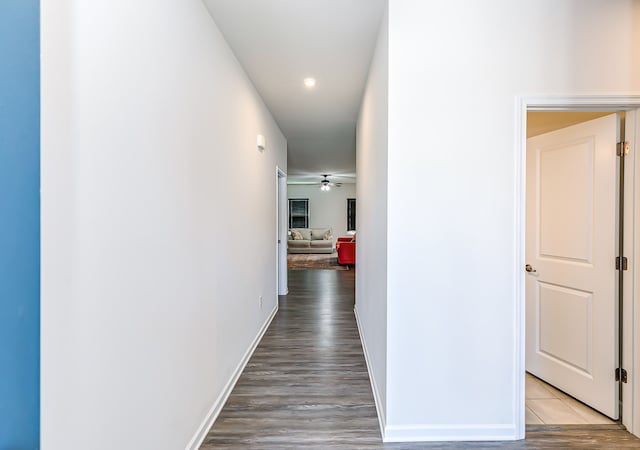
{"points": [[307, 387]]}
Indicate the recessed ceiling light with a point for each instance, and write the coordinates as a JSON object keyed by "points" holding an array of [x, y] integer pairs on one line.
{"points": [[310, 82]]}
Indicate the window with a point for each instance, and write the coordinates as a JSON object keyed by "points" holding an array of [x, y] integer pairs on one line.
{"points": [[351, 214], [298, 213]]}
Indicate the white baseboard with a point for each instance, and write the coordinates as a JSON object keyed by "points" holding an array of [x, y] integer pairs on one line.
{"points": [[374, 386], [214, 411], [426, 433], [466, 432]]}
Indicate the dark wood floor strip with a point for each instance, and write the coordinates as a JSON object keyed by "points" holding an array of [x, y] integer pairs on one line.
{"points": [[307, 386]]}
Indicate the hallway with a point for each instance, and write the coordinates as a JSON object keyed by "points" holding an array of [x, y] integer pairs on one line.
{"points": [[307, 382], [307, 386]]}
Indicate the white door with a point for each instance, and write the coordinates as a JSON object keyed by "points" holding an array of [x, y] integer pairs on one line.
{"points": [[571, 289]]}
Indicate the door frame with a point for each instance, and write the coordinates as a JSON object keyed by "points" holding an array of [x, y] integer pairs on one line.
{"points": [[631, 322], [281, 233]]}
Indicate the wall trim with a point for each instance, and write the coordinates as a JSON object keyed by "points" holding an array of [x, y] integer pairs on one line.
{"points": [[372, 379], [632, 243], [523, 104], [480, 432], [631, 236], [218, 404], [580, 102]]}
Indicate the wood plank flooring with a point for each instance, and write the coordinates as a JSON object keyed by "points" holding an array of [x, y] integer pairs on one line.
{"points": [[306, 386]]}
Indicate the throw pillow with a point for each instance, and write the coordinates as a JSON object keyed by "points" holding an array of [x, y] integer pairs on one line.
{"points": [[318, 234], [305, 233], [327, 234], [296, 235]]}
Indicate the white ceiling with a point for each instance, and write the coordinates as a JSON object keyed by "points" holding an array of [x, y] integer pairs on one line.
{"points": [[540, 122], [281, 42]]}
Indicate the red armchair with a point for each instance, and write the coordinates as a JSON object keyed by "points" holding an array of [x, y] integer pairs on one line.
{"points": [[346, 248]]}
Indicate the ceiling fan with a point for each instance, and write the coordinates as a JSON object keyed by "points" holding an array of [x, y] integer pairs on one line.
{"points": [[325, 184]]}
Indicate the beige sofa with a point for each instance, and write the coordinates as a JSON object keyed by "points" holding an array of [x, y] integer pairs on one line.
{"points": [[310, 240]]}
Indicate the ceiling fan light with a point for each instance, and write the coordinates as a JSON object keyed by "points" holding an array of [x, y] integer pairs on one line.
{"points": [[324, 184]]}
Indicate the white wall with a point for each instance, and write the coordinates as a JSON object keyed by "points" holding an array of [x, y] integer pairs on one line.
{"points": [[326, 209], [371, 250], [147, 120], [452, 150]]}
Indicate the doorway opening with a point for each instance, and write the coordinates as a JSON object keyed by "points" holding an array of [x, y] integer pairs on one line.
{"points": [[572, 234], [555, 302], [281, 230]]}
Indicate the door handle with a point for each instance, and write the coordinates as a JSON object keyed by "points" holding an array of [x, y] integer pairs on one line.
{"points": [[530, 269]]}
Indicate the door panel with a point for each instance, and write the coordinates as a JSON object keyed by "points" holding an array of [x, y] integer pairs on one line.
{"points": [[566, 202], [557, 307], [571, 303]]}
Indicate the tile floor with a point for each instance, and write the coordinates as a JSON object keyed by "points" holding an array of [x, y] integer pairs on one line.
{"points": [[549, 406]]}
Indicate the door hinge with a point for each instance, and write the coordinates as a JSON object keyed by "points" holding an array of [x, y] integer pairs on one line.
{"points": [[622, 148], [621, 263], [621, 375]]}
